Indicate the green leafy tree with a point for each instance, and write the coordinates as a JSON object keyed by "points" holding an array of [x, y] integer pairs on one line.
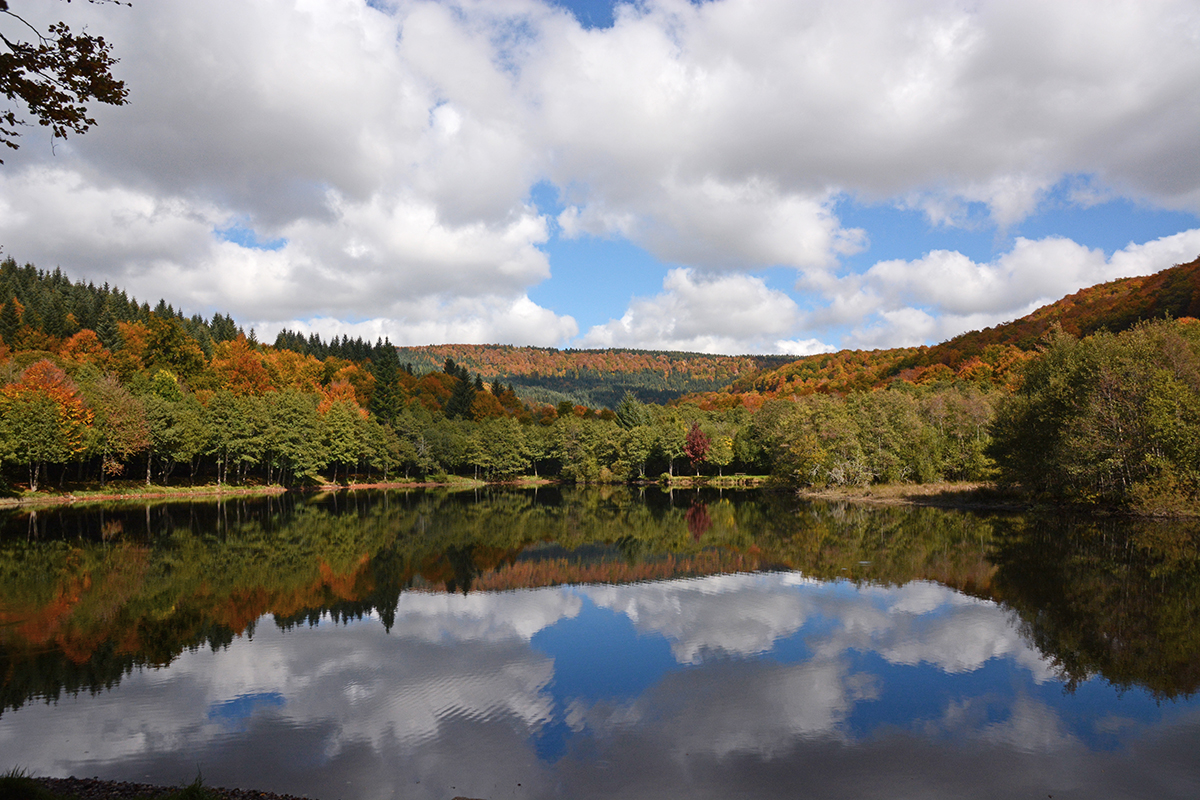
{"points": [[384, 449], [631, 413], [638, 445], [120, 430], [414, 450], [341, 434], [43, 419], [720, 451], [671, 436], [508, 451], [1110, 417], [294, 436]]}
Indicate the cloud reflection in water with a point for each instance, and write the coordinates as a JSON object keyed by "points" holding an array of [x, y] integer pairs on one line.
{"points": [[739, 684]]}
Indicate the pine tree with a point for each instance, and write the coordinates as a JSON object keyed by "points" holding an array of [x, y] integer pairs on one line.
{"points": [[631, 413], [459, 404], [10, 321], [106, 329], [385, 366]]}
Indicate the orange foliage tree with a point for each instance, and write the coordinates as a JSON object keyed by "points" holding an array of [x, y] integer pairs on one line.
{"points": [[362, 381], [240, 369], [85, 348], [291, 370], [339, 392], [42, 419]]}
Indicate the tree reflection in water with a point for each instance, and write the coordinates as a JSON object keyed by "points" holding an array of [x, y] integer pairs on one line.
{"points": [[1116, 598], [87, 595]]}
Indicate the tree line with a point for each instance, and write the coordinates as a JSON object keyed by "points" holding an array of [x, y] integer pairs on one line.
{"points": [[151, 394]]}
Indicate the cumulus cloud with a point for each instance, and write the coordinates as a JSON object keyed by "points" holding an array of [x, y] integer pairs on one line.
{"points": [[483, 617], [729, 313], [456, 698], [944, 293], [425, 279], [394, 146], [743, 615]]}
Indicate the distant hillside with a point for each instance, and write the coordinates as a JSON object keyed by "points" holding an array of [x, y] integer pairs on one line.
{"points": [[1114, 306], [992, 354], [594, 378]]}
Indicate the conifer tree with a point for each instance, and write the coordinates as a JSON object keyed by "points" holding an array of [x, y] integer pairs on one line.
{"points": [[106, 329], [385, 367], [10, 321]]}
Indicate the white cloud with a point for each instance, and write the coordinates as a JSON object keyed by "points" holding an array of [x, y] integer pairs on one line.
{"points": [[732, 313], [491, 617], [725, 614], [713, 225], [428, 280], [945, 293], [803, 347], [394, 146]]}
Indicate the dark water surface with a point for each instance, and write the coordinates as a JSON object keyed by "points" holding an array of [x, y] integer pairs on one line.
{"points": [[601, 643]]}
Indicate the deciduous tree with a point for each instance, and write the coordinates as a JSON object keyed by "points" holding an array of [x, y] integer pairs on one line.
{"points": [[54, 75], [696, 445], [42, 419]]}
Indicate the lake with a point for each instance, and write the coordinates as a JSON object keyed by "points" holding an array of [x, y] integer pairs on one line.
{"points": [[601, 643]]}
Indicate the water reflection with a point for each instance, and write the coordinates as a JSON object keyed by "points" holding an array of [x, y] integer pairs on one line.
{"points": [[341, 657], [1117, 599]]}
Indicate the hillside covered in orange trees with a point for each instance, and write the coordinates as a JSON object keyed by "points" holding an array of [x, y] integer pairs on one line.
{"points": [[593, 378], [987, 356]]}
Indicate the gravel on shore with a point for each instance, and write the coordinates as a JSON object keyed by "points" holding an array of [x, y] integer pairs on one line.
{"points": [[96, 789]]}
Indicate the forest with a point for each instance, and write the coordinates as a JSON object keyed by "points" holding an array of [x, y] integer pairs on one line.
{"points": [[97, 387], [598, 378]]}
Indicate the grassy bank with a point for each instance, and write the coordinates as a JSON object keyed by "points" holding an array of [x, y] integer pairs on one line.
{"points": [[941, 495]]}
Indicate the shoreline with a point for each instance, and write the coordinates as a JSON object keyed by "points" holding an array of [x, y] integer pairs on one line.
{"points": [[210, 491], [97, 789], [965, 495]]}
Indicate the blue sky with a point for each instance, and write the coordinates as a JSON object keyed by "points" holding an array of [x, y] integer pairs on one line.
{"points": [[725, 176]]}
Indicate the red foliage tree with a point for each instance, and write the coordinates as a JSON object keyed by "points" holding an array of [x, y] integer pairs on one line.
{"points": [[696, 445]]}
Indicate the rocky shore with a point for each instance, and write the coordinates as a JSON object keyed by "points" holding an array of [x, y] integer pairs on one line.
{"points": [[96, 789]]}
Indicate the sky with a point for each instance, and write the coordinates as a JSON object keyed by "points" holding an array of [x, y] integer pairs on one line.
{"points": [[725, 176]]}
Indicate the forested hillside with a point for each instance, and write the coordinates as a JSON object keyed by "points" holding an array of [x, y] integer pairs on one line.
{"points": [[993, 355], [593, 378]]}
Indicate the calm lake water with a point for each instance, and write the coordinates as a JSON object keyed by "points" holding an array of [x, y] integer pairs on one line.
{"points": [[601, 643]]}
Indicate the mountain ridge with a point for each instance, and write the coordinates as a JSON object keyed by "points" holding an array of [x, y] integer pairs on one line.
{"points": [[991, 355], [593, 377]]}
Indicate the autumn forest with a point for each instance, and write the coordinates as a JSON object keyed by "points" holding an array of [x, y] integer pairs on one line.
{"points": [[1093, 399]]}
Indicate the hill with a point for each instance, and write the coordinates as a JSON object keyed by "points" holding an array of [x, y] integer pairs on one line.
{"points": [[990, 355], [593, 378]]}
